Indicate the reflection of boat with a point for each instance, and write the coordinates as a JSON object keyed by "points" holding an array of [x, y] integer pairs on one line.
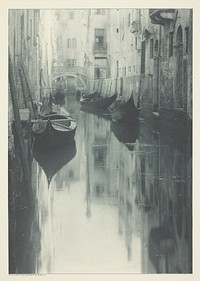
{"points": [[98, 112], [52, 162], [123, 110], [54, 130], [126, 132], [59, 98], [97, 101]]}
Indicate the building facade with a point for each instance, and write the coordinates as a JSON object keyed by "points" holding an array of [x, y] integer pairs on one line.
{"points": [[166, 60]]}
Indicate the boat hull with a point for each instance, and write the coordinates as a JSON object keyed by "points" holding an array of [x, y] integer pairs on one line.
{"points": [[121, 112], [51, 135], [96, 103]]}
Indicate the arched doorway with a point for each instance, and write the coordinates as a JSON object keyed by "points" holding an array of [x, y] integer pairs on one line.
{"points": [[179, 68]]}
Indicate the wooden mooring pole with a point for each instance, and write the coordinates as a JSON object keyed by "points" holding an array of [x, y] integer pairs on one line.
{"points": [[18, 127], [23, 88], [29, 92]]}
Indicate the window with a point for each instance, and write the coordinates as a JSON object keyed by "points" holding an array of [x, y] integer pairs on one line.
{"points": [[99, 38], [117, 68], [129, 20], [171, 44], [129, 68], [124, 71], [100, 69], [99, 12], [99, 189], [74, 43], [68, 43], [136, 42], [71, 15], [73, 63], [68, 63], [151, 48], [186, 39]]}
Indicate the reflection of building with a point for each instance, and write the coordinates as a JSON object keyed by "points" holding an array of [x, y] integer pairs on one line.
{"points": [[164, 197], [102, 183]]}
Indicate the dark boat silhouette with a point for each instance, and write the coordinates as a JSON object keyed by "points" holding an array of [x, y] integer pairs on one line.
{"points": [[96, 101], [126, 132], [123, 111], [52, 161], [105, 114]]}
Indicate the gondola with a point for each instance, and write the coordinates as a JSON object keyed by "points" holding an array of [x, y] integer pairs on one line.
{"points": [[54, 130], [94, 94], [123, 111], [97, 102], [52, 162]]}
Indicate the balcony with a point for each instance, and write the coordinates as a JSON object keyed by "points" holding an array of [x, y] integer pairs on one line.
{"points": [[162, 16], [100, 48], [135, 27]]}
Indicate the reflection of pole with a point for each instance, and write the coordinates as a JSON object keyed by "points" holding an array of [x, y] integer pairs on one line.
{"points": [[41, 84], [88, 195], [18, 128]]}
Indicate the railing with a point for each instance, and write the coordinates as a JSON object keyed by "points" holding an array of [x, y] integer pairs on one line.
{"points": [[100, 48], [76, 69]]}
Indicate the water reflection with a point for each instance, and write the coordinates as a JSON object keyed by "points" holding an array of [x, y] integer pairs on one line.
{"points": [[121, 203], [52, 161], [126, 132]]}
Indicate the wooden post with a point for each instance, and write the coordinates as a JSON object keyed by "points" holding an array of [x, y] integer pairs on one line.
{"points": [[29, 140], [121, 86], [29, 92], [116, 86], [23, 88], [41, 96], [18, 128], [98, 87], [101, 84], [110, 87]]}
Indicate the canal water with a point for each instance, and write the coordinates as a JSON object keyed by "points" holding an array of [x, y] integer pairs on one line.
{"points": [[118, 200]]}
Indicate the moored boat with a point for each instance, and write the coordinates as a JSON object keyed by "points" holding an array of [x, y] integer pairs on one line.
{"points": [[54, 130], [91, 96], [121, 111], [97, 101]]}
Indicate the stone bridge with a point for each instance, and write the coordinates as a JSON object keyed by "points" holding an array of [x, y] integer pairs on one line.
{"points": [[78, 73]]}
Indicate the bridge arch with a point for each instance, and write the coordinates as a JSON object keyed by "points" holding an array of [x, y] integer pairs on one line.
{"points": [[75, 76]]}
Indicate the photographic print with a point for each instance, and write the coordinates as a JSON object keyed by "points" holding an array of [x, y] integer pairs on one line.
{"points": [[100, 140]]}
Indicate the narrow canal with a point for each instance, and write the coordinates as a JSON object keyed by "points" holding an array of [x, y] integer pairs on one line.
{"points": [[118, 200]]}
